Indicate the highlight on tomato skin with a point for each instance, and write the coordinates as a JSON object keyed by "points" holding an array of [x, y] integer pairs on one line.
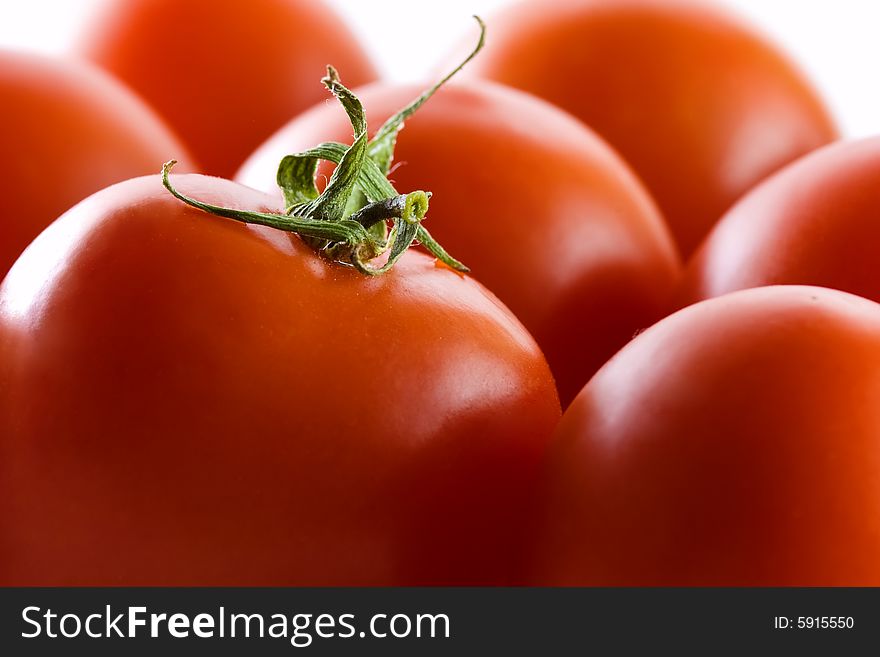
{"points": [[698, 102], [224, 74], [814, 222], [543, 212], [734, 443], [67, 130], [188, 400]]}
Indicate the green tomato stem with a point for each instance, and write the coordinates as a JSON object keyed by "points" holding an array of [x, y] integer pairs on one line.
{"points": [[348, 221]]}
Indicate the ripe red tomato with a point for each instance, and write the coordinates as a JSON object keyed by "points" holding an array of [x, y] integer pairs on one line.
{"points": [[814, 222], [189, 400], [67, 131], [541, 210], [733, 443], [224, 74], [700, 105]]}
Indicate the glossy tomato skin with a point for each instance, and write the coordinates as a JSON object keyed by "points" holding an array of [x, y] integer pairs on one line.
{"points": [[541, 210], [67, 131], [814, 222], [189, 400], [224, 74], [735, 443], [699, 104]]}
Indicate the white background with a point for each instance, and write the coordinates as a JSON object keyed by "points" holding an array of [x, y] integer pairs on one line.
{"points": [[835, 41]]}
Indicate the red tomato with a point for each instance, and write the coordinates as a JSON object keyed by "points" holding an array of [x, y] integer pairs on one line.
{"points": [[189, 400], [67, 131], [700, 105], [541, 210], [224, 74], [733, 443], [814, 222]]}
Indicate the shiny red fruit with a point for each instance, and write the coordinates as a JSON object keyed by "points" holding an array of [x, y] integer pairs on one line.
{"points": [[544, 213], [695, 100], [734, 443], [186, 400]]}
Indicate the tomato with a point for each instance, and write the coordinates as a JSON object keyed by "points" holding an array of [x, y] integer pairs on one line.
{"points": [[189, 400], [814, 222], [224, 74], [736, 442], [699, 104], [542, 211], [67, 131]]}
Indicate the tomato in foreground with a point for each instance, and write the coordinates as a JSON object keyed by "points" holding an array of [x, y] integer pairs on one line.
{"points": [[699, 104], [734, 443], [224, 74], [67, 131], [189, 400], [815, 222], [544, 213]]}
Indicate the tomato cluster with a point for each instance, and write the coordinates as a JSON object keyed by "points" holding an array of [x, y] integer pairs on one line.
{"points": [[254, 380]]}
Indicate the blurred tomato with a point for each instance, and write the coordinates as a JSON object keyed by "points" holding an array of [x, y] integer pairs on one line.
{"points": [[815, 222], [188, 400], [734, 443], [700, 105], [67, 130], [224, 74], [544, 213]]}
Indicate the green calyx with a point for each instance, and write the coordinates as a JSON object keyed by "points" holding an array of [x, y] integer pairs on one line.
{"points": [[360, 216]]}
